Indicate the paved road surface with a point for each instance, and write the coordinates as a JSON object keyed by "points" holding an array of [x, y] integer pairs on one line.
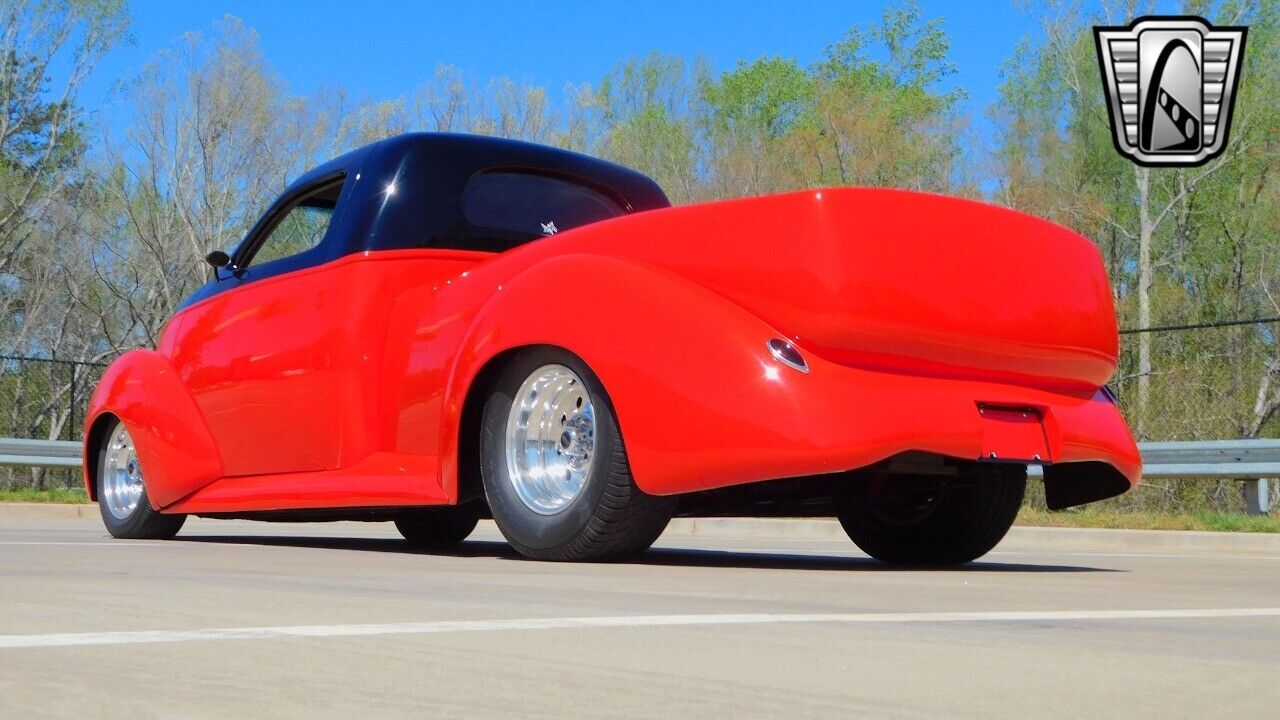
{"points": [[241, 620]]}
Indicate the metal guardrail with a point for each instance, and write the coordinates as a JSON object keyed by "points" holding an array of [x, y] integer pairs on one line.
{"points": [[1254, 460], [1243, 459], [40, 453]]}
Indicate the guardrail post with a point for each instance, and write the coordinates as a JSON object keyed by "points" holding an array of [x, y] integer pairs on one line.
{"points": [[1257, 496], [71, 411]]}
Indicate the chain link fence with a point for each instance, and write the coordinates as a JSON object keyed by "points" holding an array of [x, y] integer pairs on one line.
{"points": [[1211, 382], [44, 398], [1205, 383]]}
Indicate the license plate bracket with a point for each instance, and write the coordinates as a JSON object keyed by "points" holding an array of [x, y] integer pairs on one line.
{"points": [[1012, 434]]}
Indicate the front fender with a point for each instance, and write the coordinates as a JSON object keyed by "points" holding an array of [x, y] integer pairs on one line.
{"points": [[173, 442], [679, 363]]}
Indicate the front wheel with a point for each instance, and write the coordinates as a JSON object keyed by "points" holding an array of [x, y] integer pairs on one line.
{"points": [[122, 492], [554, 468], [930, 521]]}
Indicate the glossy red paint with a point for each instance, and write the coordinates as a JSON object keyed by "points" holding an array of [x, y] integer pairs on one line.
{"points": [[343, 385], [703, 405], [142, 389], [380, 480], [896, 280], [289, 370]]}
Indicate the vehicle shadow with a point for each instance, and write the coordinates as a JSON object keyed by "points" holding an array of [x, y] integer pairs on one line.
{"points": [[657, 556]]}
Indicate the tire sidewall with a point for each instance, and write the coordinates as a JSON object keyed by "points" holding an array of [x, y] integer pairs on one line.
{"points": [[130, 526], [967, 523], [439, 526], [519, 523]]}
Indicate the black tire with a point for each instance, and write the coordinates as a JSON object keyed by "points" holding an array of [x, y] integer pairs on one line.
{"points": [[144, 522], [609, 519], [439, 528], [926, 521]]}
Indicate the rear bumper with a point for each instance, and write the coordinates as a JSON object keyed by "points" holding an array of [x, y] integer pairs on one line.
{"points": [[837, 418]]}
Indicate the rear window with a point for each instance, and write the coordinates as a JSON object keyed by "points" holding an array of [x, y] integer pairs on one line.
{"points": [[510, 208]]}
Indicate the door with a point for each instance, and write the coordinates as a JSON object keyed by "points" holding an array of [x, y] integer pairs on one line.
{"points": [[259, 357]]}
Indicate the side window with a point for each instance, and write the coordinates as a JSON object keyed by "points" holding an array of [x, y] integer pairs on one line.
{"points": [[301, 226], [522, 206]]}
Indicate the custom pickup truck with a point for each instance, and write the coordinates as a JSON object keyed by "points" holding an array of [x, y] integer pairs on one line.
{"points": [[437, 328]]}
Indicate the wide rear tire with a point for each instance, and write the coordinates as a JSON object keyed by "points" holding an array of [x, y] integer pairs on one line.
{"points": [[554, 468], [927, 521], [122, 493]]}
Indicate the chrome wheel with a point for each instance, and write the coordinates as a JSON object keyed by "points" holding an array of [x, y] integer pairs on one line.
{"points": [[550, 439], [121, 483]]}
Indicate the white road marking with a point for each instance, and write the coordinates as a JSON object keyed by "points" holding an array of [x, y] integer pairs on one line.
{"points": [[84, 543], [133, 637]]}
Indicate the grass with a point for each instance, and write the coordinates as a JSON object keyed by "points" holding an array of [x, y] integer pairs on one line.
{"points": [[1137, 520], [50, 495], [1078, 518]]}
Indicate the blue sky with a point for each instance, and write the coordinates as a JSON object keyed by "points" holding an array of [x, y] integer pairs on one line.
{"points": [[382, 49]]}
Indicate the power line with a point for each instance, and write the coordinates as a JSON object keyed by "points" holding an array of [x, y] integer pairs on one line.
{"points": [[1199, 326]]}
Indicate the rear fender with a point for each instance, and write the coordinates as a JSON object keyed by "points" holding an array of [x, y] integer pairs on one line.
{"points": [[178, 454], [673, 356]]}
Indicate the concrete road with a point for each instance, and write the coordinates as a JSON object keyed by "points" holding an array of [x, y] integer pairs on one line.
{"points": [[237, 619]]}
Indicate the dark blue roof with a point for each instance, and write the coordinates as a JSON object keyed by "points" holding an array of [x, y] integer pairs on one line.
{"points": [[428, 172], [406, 192]]}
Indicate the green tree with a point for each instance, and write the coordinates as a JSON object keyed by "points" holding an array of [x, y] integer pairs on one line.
{"points": [[751, 112], [41, 127], [648, 110], [888, 122], [1182, 245]]}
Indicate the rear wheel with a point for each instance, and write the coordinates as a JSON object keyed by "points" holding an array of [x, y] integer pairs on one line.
{"points": [[555, 472], [441, 527], [122, 492], [930, 521]]}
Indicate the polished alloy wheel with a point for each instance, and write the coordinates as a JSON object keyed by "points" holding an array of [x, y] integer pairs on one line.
{"points": [[121, 487], [550, 439]]}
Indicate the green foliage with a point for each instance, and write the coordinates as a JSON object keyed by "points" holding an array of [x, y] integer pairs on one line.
{"points": [[47, 199], [647, 107], [1204, 520], [32, 120], [639, 84], [47, 495], [1181, 245], [655, 142], [917, 50], [42, 128], [767, 96]]}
